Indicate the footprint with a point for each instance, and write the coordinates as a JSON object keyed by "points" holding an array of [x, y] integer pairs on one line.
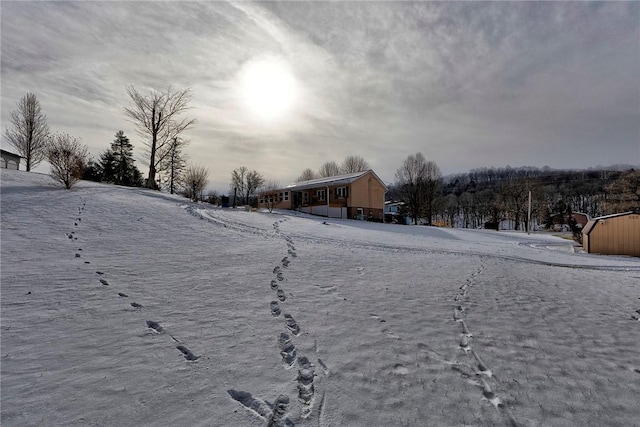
{"points": [[292, 325], [276, 269], [281, 296], [275, 309], [187, 353], [400, 369], [136, 305], [99, 272], [274, 285], [120, 294], [77, 255], [287, 349], [293, 248], [104, 282], [155, 326], [255, 405], [87, 262], [280, 276], [306, 374]]}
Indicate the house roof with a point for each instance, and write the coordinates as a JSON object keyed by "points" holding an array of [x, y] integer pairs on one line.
{"points": [[331, 181], [10, 153], [592, 222]]}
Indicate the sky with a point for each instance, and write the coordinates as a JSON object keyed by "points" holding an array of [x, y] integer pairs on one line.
{"points": [[283, 86]]}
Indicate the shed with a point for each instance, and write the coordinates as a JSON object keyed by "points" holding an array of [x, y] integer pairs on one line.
{"points": [[617, 234], [9, 160]]}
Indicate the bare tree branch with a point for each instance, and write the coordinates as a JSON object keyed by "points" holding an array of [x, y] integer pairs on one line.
{"points": [[156, 119]]}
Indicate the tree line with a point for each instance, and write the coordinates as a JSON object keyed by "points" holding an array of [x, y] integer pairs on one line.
{"points": [[484, 197]]}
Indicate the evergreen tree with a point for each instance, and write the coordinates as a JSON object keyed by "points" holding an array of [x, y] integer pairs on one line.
{"points": [[107, 166], [124, 168]]}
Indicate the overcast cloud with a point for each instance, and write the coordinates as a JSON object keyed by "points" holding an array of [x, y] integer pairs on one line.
{"points": [[468, 84]]}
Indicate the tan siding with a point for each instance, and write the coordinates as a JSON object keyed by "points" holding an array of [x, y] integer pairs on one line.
{"points": [[615, 236]]}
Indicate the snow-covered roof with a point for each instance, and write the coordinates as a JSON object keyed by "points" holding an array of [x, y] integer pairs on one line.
{"points": [[331, 180]]}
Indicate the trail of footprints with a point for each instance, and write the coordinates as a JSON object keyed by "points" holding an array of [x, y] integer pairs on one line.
{"points": [[306, 371], [151, 324], [466, 337]]}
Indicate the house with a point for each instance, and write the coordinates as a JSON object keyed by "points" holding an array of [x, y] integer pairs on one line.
{"points": [[9, 160], [393, 212], [358, 195], [617, 234]]}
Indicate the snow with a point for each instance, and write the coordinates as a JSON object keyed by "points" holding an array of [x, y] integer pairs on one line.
{"points": [[399, 325]]}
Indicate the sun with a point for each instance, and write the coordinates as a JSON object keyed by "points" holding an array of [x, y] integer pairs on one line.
{"points": [[267, 88]]}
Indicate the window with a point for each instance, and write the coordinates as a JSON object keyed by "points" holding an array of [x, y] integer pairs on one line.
{"points": [[342, 192], [286, 195], [321, 194], [305, 196]]}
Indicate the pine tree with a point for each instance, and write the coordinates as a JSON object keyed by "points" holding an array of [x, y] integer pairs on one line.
{"points": [[107, 166], [122, 150]]}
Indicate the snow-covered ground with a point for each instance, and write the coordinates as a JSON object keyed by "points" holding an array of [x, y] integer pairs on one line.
{"points": [[127, 307]]}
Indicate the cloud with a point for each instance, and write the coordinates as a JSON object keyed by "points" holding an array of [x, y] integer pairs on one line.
{"points": [[469, 84]]}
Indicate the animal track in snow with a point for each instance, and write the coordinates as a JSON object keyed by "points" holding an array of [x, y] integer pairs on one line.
{"points": [[281, 296], [155, 326], [292, 325], [274, 285], [136, 305], [276, 269], [77, 255], [99, 273], [187, 353], [120, 294], [275, 309], [280, 276], [104, 282]]}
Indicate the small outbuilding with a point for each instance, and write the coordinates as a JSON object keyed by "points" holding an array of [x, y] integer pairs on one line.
{"points": [[617, 234], [9, 160]]}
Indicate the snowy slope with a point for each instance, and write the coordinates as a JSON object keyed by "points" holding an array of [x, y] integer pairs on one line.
{"points": [[107, 292]]}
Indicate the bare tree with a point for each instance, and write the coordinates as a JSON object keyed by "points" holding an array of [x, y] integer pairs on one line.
{"points": [[354, 164], [410, 179], [624, 193], [195, 179], [269, 193], [253, 182], [156, 118], [307, 175], [174, 164], [67, 156], [329, 169], [238, 180], [29, 130], [431, 188]]}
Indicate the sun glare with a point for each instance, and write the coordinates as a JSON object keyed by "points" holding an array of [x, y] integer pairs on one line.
{"points": [[268, 88]]}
